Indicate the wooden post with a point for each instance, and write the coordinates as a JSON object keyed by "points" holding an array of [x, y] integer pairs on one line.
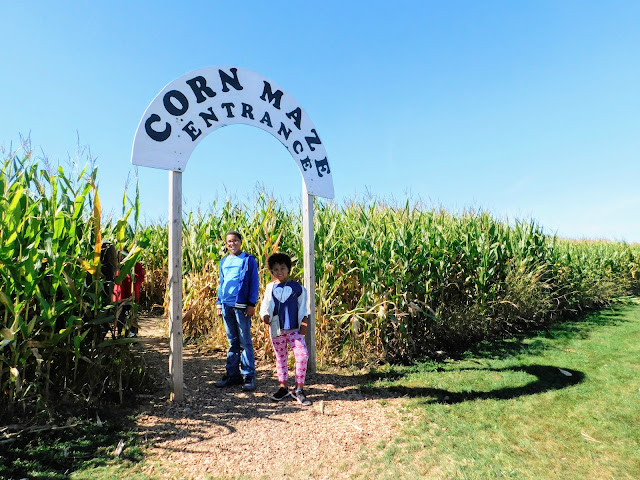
{"points": [[308, 245], [175, 285]]}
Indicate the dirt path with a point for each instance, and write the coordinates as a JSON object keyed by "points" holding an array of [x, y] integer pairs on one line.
{"points": [[230, 433]]}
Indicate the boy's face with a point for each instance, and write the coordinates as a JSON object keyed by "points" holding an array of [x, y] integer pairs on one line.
{"points": [[280, 272], [233, 244]]}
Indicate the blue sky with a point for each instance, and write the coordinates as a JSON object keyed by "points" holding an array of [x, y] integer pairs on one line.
{"points": [[529, 110]]}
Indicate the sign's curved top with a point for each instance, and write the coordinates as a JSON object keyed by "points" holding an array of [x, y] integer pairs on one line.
{"points": [[196, 104]]}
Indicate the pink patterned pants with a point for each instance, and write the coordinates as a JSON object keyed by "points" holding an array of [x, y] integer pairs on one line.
{"points": [[299, 347]]}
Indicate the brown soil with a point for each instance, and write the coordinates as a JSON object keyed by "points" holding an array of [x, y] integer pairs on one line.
{"points": [[233, 434]]}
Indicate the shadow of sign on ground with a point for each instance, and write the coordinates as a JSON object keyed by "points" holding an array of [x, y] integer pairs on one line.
{"points": [[547, 378]]}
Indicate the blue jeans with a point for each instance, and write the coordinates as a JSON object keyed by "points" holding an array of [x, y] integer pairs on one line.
{"points": [[240, 357]]}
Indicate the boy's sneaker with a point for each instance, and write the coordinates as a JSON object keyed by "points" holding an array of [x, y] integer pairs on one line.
{"points": [[280, 394], [300, 397], [249, 384], [228, 380]]}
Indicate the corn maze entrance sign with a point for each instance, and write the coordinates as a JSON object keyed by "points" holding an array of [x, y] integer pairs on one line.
{"points": [[181, 116]]}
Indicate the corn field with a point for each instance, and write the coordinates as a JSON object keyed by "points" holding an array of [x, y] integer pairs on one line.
{"points": [[393, 282], [397, 283], [57, 329]]}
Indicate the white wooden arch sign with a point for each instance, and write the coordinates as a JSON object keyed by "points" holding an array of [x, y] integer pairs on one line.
{"points": [[181, 116]]}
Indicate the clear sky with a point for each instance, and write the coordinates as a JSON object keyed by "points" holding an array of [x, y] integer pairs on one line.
{"points": [[529, 110]]}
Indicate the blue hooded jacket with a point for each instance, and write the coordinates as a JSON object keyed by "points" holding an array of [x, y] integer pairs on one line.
{"points": [[247, 295]]}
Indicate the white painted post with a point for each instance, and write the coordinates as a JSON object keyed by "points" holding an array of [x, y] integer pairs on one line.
{"points": [[175, 285], [308, 245]]}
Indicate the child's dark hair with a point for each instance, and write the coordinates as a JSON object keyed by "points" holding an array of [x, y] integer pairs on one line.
{"points": [[281, 258], [233, 232]]}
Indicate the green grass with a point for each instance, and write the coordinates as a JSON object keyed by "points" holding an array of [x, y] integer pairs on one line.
{"points": [[507, 411], [82, 446]]}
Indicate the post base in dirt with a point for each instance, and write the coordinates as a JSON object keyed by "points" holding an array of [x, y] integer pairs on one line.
{"points": [[175, 286], [308, 245]]}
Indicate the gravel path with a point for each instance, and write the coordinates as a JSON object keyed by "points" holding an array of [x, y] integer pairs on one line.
{"points": [[232, 434]]}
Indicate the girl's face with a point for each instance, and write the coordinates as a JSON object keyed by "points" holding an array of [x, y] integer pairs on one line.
{"points": [[280, 272], [233, 244]]}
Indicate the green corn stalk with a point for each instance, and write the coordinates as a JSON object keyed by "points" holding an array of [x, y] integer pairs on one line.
{"points": [[52, 311]]}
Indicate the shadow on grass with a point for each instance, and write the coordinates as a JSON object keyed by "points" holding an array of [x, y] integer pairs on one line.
{"points": [[548, 378], [537, 342], [83, 444]]}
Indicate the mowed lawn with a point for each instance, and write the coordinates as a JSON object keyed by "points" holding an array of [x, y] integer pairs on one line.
{"points": [[561, 405]]}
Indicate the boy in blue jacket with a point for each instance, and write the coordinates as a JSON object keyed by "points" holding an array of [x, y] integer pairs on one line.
{"points": [[237, 298]]}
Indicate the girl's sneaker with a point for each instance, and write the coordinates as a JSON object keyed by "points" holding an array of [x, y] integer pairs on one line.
{"points": [[300, 397], [280, 394]]}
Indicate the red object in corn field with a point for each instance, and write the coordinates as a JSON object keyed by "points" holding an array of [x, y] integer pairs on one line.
{"points": [[123, 291]]}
